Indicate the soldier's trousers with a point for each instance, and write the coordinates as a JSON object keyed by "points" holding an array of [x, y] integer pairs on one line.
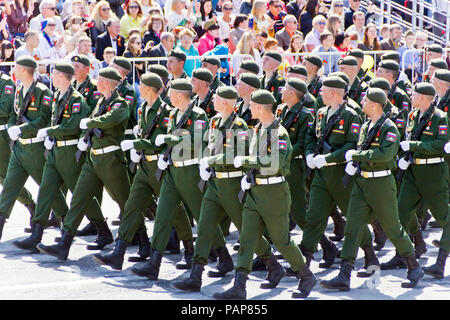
{"points": [[60, 169], [144, 185], [374, 199], [327, 191], [296, 181], [221, 200], [267, 208], [106, 170], [430, 183], [179, 184], [26, 160]]}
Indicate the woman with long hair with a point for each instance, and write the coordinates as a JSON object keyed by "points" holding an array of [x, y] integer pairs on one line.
{"points": [[296, 46], [100, 16], [240, 25], [370, 41], [310, 10], [337, 8], [334, 24], [246, 45], [204, 12], [154, 29], [259, 21], [132, 18], [179, 15], [6, 55], [134, 50], [19, 18]]}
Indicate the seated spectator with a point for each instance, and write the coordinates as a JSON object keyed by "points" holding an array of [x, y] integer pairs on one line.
{"points": [[246, 7], [203, 12], [271, 44], [77, 8], [154, 29], [20, 16], [342, 42], [240, 25], [277, 14], [334, 24], [6, 55], [384, 31], [30, 47], [100, 16], [134, 50], [395, 37], [261, 37], [259, 21], [51, 46], [108, 57], [337, 8], [295, 46], [358, 24], [353, 36], [179, 16], [370, 39], [355, 5], [4, 33], [329, 62], [84, 46], [210, 39], [225, 22], [163, 49], [310, 10], [110, 38], [407, 58], [295, 7], [312, 39], [75, 28], [246, 45], [290, 29], [148, 5], [47, 9], [132, 19], [186, 45]]}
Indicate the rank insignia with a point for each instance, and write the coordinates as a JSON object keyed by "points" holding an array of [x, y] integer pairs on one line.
{"points": [[46, 100], [200, 124], [9, 89], [282, 144], [400, 123], [391, 137]]}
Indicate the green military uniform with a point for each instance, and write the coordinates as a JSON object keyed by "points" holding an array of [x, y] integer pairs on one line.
{"points": [[314, 88], [356, 89], [245, 114], [7, 89], [216, 83], [399, 98], [88, 90], [367, 77], [127, 92], [274, 84]]}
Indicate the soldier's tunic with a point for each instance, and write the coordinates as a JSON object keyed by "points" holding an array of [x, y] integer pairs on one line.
{"points": [[399, 99], [245, 114], [275, 83], [356, 89], [206, 104], [314, 88], [88, 90]]}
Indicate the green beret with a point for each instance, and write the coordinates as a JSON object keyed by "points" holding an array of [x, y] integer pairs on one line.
{"points": [[357, 53], [435, 48], [152, 80], [123, 63], [210, 25], [425, 88], [81, 58], [211, 60], [227, 93], [348, 61], [380, 83], [262, 97], [390, 65], [298, 84], [178, 54], [250, 79], [181, 84], [439, 63], [377, 95], [27, 61], [341, 75], [203, 74], [160, 70], [110, 73], [443, 75], [391, 55], [250, 65], [315, 60], [334, 82], [274, 55], [65, 67], [297, 69]]}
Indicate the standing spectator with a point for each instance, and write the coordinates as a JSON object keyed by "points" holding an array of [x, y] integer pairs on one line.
{"points": [[154, 29], [210, 39], [310, 10], [246, 45], [259, 21], [163, 49], [110, 38], [134, 50], [295, 7], [355, 5], [204, 12], [342, 42], [226, 21], [47, 9], [337, 8], [277, 14], [395, 37], [240, 25], [358, 24], [75, 28], [132, 19], [419, 58], [6, 55], [407, 58], [30, 47], [100, 16], [312, 39], [334, 24], [246, 7], [290, 29], [18, 20], [108, 57], [186, 45], [84, 47], [370, 39], [50, 44], [296, 46], [329, 62], [179, 16]]}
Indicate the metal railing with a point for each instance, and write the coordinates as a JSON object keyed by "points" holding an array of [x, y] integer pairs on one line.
{"points": [[417, 52]]}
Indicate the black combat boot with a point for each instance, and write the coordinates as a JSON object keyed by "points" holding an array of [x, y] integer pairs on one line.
{"points": [[54, 221], [437, 270], [370, 259], [212, 257], [104, 237], [306, 283], [59, 250], [150, 268], [258, 264], [380, 236], [309, 256], [194, 282], [186, 262], [414, 274], [32, 241], [144, 247], [397, 262], [115, 258], [173, 246], [434, 224], [88, 230], [424, 221], [224, 265], [31, 209], [420, 247], [2, 224], [329, 252], [237, 291], [339, 225], [342, 281], [275, 272]]}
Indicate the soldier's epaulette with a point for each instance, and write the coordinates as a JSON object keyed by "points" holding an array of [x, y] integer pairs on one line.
{"points": [[390, 123], [41, 87], [351, 110], [5, 77], [307, 111], [439, 113], [198, 110], [76, 94]]}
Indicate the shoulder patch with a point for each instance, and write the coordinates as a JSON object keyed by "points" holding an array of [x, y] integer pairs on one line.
{"points": [[116, 105], [76, 108], [443, 129], [97, 95], [46, 100], [129, 98], [391, 137], [200, 124], [9, 89], [355, 128]]}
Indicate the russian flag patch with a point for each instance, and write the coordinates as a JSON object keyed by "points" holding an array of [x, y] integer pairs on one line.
{"points": [[76, 108], [282, 144], [243, 135], [443, 130], [391, 137], [405, 104], [46, 100], [310, 124], [200, 124], [355, 128], [400, 123], [8, 89], [129, 98]]}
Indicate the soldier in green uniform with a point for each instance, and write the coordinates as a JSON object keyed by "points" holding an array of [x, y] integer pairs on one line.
{"points": [[179, 159], [359, 55], [441, 81], [374, 194], [313, 63], [435, 64], [202, 80], [32, 111], [175, 65], [267, 203], [245, 86], [272, 80], [389, 69], [350, 102], [403, 80], [162, 72], [300, 72], [349, 66], [153, 120], [213, 64], [343, 125], [105, 164], [61, 138], [247, 66]]}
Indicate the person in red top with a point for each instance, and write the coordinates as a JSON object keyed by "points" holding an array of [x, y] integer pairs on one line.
{"points": [[210, 39]]}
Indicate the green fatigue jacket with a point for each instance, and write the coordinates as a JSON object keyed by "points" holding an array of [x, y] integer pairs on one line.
{"points": [[355, 106], [88, 90], [127, 92], [216, 83], [444, 103], [314, 88], [207, 106], [399, 118], [246, 114], [311, 104], [406, 86], [356, 89], [275, 86], [399, 98], [7, 91], [164, 94], [368, 76]]}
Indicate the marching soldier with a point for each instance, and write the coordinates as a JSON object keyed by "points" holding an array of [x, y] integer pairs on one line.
{"points": [[246, 85], [358, 54], [350, 102], [297, 71], [389, 69], [175, 65], [349, 66], [313, 63], [202, 80], [374, 192], [271, 80], [162, 72], [213, 64], [403, 80], [247, 66], [32, 111], [441, 81], [268, 202], [105, 164], [435, 64]]}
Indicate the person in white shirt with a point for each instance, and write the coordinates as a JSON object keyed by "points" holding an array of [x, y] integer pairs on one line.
{"points": [[312, 39], [30, 47], [359, 21], [177, 15], [84, 47], [47, 8], [225, 22], [51, 45]]}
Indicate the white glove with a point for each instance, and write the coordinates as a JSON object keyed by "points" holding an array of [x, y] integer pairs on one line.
{"points": [[319, 161], [160, 139], [204, 173], [237, 162], [403, 164], [14, 132], [48, 144], [404, 145], [203, 164], [310, 161], [42, 133], [349, 154], [134, 156], [350, 169], [447, 147], [136, 131], [162, 164], [245, 185], [83, 123], [127, 145], [82, 146]]}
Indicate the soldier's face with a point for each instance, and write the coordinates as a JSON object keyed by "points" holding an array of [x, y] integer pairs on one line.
{"points": [[173, 65], [81, 71], [255, 110], [327, 95], [286, 92]]}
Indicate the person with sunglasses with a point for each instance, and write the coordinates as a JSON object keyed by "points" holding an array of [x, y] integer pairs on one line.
{"points": [[225, 22], [47, 8], [312, 39], [133, 18], [277, 14]]}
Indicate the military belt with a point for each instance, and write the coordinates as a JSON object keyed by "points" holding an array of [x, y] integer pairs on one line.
{"points": [[185, 163], [31, 140], [66, 143], [271, 180], [129, 131], [151, 158], [97, 152], [3, 127], [232, 174], [428, 161], [299, 157], [375, 174]]}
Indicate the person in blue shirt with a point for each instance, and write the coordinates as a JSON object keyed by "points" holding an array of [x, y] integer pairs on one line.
{"points": [[186, 37]]}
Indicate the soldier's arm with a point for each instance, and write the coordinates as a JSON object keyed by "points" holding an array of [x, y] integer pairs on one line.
{"points": [[299, 147], [45, 113], [310, 137], [71, 127], [198, 127], [7, 98], [385, 152], [435, 146], [351, 139], [149, 144], [117, 114]]}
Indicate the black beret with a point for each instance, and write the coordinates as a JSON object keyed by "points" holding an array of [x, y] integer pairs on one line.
{"points": [[390, 65], [123, 63], [380, 83], [211, 60], [178, 54], [298, 84], [297, 69], [152, 80], [334, 82], [65, 67], [181, 84], [251, 79], [227, 93], [203, 74], [439, 63], [376, 95], [435, 48], [159, 69], [425, 88], [110, 73], [341, 75], [315, 60], [357, 53], [348, 61], [443, 75], [27, 61], [81, 58], [263, 97], [391, 55], [274, 55], [250, 65]]}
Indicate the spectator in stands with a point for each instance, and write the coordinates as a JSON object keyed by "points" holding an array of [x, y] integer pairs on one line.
{"points": [[355, 5], [419, 58], [77, 8], [148, 5], [154, 29], [177, 15], [240, 25], [312, 39], [259, 21], [407, 58], [277, 14], [116, 7], [395, 37], [290, 29], [6, 55], [110, 38], [108, 57], [271, 44], [163, 49], [329, 62], [333, 24], [261, 37], [337, 8], [75, 28], [370, 39], [30, 47], [132, 19], [47, 8], [296, 46], [134, 50], [100, 16], [246, 46], [84, 47], [50, 44], [210, 39], [440, 13], [295, 7], [342, 42], [358, 24], [226, 22], [186, 45], [384, 31], [204, 12], [18, 19], [310, 10], [246, 7]]}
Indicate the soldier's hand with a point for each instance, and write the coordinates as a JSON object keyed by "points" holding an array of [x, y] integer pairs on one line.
{"points": [[162, 164], [42, 133], [310, 161], [349, 154], [82, 146], [160, 139], [134, 156], [205, 174], [83, 123], [320, 161], [245, 185], [447, 147], [136, 131], [203, 164], [48, 144], [404, 145], [237, 161], [350, 169], [403, 164], [14, 132], [127, 145]]}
